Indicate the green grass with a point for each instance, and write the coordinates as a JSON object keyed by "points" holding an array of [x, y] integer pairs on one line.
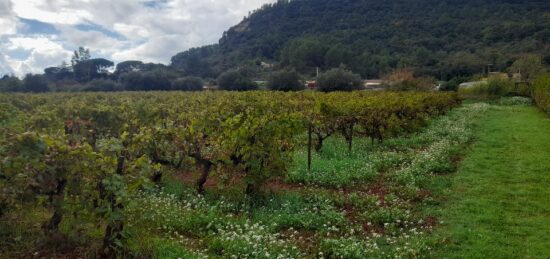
{"points": [[499, 202]]}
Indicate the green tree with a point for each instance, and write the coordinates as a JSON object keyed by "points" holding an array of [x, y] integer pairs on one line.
{"points": [[339, 79], [285, 80], [80, 55], [193, 62], [102, 85], [35, 83], [529, 67], [236, 80], [128, 66], [188, 84], [338, 55], [10, 84], [304, 53], [452, 85], [90, 69], [156, 80], [58, 73]]}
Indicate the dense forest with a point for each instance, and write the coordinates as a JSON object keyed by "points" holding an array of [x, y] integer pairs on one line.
{"points": [[448, 40], [372, 37]]}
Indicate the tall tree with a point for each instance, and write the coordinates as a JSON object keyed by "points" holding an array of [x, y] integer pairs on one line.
{"points": [[80, 55], [90, 69], [528, 67], [128, 66], [61, 72]]}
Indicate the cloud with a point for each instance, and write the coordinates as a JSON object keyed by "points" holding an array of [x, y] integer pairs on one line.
{"points": [[148, 30], [5, 66], [8, 20], [44, 52]]}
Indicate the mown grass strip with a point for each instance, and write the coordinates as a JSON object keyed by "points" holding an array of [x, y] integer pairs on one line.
{"points": [[499, 206]]}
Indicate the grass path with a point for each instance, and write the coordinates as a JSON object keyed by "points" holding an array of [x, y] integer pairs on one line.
{"points": [[499, 203]]}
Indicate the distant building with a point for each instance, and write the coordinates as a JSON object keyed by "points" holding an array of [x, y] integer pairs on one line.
{"points": [[261, 83], [373, 84], [516, 76], [311, 84], [210, 87], [267, 65], [438, 85], [499, 76], [471, 84]]}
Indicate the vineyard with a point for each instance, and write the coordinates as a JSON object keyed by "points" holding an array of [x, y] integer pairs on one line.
{"points": [[219, 174]]}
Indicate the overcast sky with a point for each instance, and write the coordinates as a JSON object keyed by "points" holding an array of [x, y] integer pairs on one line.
{"points": [[35, 34]]}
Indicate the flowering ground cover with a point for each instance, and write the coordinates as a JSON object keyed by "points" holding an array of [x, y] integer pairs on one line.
{"points": [[373, 202], [472, 183]]}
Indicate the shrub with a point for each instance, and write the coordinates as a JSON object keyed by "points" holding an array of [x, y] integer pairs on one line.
{"points": [[10, 84], [499, 87], [187, 84], [541, 92], [35, 83], [103, 85], [415, 84], [147, 81], [285, 80], [492, 88], [339, 79], [452, 85], [236, 81], [404, 80]]}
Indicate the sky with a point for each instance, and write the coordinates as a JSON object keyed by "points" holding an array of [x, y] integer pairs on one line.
{"points": [[35, 34]]}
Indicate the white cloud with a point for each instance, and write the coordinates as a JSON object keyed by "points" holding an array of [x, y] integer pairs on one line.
{"points": [[8, 20], [44, 52], [50, 11], [153, 32], [5, 66]]}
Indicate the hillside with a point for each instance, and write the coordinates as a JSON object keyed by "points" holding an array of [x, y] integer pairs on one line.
{"points": [[439, 38]]}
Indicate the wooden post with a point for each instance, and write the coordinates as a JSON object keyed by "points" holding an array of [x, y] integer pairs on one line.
{"points": [[350, 143], [309, 132]]}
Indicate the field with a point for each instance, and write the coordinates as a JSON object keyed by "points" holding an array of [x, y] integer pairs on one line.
{"points": [[270, 175]]}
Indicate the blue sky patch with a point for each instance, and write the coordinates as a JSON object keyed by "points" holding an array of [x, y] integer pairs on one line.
{"points": [[30, 26], [90, 26], [18, 54], [154, 3]]}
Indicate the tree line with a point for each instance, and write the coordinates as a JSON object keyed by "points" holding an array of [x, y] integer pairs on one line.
{"points": [[100, 75], [85, 73]]}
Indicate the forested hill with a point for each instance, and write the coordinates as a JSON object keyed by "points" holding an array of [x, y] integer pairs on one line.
{"points": [[372, 37]]}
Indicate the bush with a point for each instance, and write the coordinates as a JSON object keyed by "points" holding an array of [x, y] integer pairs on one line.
{"points": [[35, 83], [338, 79], [187, 84], [103, 85], [10, 84], [285, 80], [541, 92], [415, 84], [236, 81], [492, 88], [405, 80], [452, 85], [156, 80]]}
